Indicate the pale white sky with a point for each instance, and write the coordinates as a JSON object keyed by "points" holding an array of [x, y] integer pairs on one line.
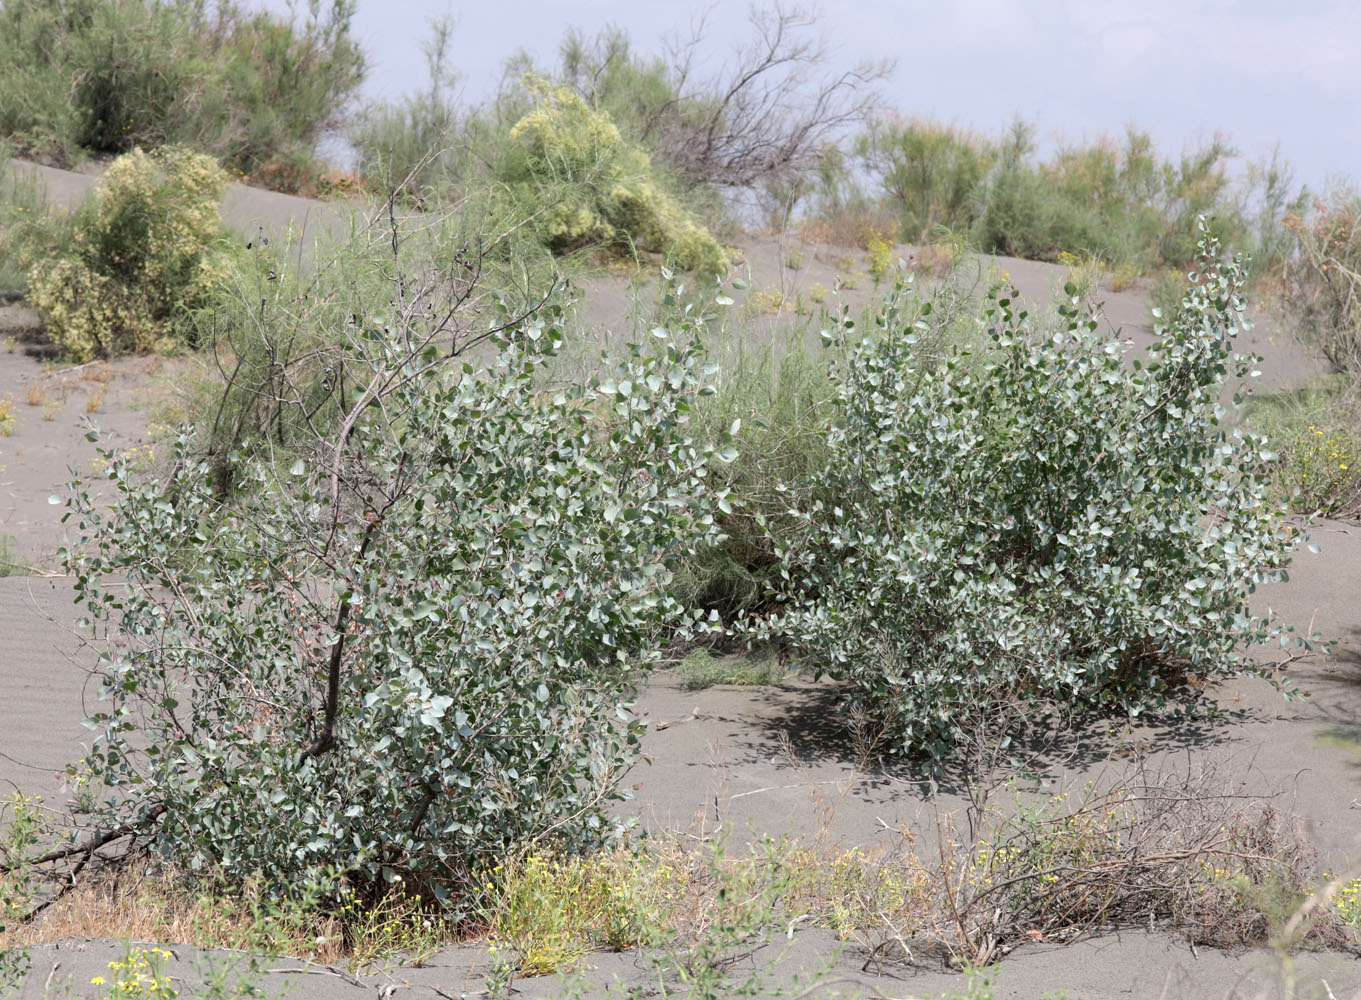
{"points": [[1262, 71]]}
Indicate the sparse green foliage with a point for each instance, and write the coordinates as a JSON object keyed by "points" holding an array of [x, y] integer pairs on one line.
{"points": [[1325, 471], [1323, 281], [933, 174], [779, 401], [544, 912], [741, 914], [256, 394], [1169, 287], [1083, 277], [397, 929], [21, 820], [10, 563], [779, 398], [412, 142], [1031, 523], [700, 669], [143, 252], [99, 76], [1315, 430], [23, 220]]}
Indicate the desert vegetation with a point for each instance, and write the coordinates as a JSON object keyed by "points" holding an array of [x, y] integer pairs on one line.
{"points": [[258, 93], [459, 568], [1316, 286], [372, 619], [979, 554], [1116, 199], [124, 274]]}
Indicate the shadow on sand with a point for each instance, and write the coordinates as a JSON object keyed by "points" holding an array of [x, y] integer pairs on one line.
{"points": [[820, 729]]}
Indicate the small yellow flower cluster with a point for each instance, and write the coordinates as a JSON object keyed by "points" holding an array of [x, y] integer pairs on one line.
{"points": [[139, 976], [9, 421], [768, 300], [1326, 466], [881, 255], [1214, 877], [1347, 903]]}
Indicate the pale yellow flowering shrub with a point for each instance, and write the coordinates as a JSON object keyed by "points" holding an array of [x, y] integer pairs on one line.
{"points": [[603, 188], [881, 255], [145, 250]]}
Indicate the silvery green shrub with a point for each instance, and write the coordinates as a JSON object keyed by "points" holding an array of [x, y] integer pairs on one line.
{"points": [[483, 563], [1044, 521]]}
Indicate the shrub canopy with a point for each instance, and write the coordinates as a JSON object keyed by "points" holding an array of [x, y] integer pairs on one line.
{"points": [[595, 187], [145, 250], [1043, 523], [413, 651]]}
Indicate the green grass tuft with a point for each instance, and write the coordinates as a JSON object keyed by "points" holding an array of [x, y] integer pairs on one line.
{"points": [[700, 670]]}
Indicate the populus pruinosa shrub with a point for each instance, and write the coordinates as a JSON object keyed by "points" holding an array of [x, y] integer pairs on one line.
{"points": [[413, 651], [1045, 522], [145, 249]]}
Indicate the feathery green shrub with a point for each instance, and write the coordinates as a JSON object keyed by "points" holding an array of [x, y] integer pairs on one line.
{"points": [[595, 187], [107, 76], [1115, 200], [24, 223], [134, 261], [932, 174]]}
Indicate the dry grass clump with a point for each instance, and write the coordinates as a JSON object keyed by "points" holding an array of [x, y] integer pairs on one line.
{"points": [[1160, 850], [96, 398], [852, 228], [35, 393], [934, 259], [141, 906], [146, 905]]}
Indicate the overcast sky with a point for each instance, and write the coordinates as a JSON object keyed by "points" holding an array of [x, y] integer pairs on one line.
{"points": [[1261, 71]]}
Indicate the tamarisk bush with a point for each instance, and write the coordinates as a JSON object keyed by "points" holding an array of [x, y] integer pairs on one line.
{"points": [[142, 252], [1046, 522], [413, 649]]}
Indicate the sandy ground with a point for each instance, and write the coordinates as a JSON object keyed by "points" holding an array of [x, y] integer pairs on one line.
{"points": [[762, 760], [1127, 966]]}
